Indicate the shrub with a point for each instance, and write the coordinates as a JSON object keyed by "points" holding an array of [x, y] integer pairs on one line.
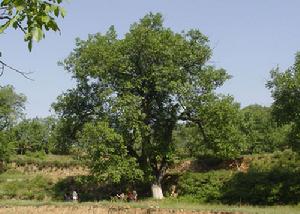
{"points": [[203, 187], [271, 180]]}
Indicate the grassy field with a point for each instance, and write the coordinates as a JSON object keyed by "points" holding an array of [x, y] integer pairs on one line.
{"points": [[164, 206]]}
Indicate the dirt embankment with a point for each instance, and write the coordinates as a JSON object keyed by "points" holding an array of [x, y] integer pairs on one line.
{"points": [[98, 210], [54, 173], [240, 164]]}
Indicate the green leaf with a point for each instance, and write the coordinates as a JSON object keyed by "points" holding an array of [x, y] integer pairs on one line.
{"points": [[52, 24], [29, 45], [45, 19], [62, 12], [48, 8], [37, 34], [5, 2], [15, 25], [56, 11], [20, 7]]}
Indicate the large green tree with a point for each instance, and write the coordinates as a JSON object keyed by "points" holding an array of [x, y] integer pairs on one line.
{"points": [[285, 89], [147, 82]]}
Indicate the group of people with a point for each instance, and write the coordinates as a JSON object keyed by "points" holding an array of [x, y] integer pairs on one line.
{"points": [[130, 196], [73, 196]]}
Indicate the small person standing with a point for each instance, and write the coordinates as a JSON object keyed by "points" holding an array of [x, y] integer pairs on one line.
{"points": [[135, 195], [75, 196]]}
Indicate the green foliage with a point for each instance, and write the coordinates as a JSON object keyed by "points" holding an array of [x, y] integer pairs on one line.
{"points": [[15, 185], [32, 135], [6, 149], [203, 187], [262, 132], [219, 135], [142, 85], [107, 154], [75, 108], [285, 91], [273, 179], [222, 121], [33, 17], [41, 160], [11, 107], [90, 189]]}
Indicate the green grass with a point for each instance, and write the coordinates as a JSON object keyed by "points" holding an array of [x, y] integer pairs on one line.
{"points": [[164, 204], [16, 185], [12, 175], [46, 161]]}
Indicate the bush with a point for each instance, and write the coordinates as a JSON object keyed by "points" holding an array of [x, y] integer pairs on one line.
{"points": [[271, 180], [203, 187]]}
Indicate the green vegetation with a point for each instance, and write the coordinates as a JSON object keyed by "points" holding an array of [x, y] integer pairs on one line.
{"points": [[285, 92], [11, 107], [16, 185], [31, 17], [142, 134], [263, 133], [203, 187], [271, 180], [42, 160], [33, 135], [165, 204], [173, 84]]}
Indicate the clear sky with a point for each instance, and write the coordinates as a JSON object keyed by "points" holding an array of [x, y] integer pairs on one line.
{"points": [[248, 37]]}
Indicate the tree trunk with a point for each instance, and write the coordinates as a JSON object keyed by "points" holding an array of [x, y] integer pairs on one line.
{"points": [[157, 191]]}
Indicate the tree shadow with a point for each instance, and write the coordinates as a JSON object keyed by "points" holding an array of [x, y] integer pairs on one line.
{"points": [[89, 189], [259, 187]]}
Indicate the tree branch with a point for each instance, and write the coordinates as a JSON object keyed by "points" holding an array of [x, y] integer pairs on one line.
{"points": [[24, 74], [187, 117], [21, 27], [4, 17]]}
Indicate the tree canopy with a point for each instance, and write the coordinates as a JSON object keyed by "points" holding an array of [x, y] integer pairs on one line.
{"points": [[146, 83], [263, 134], [11, 110], [33, 135], [11, 107], [285, 89]]}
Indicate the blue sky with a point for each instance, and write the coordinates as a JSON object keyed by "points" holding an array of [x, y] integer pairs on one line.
{"points": [[248, 38]]}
